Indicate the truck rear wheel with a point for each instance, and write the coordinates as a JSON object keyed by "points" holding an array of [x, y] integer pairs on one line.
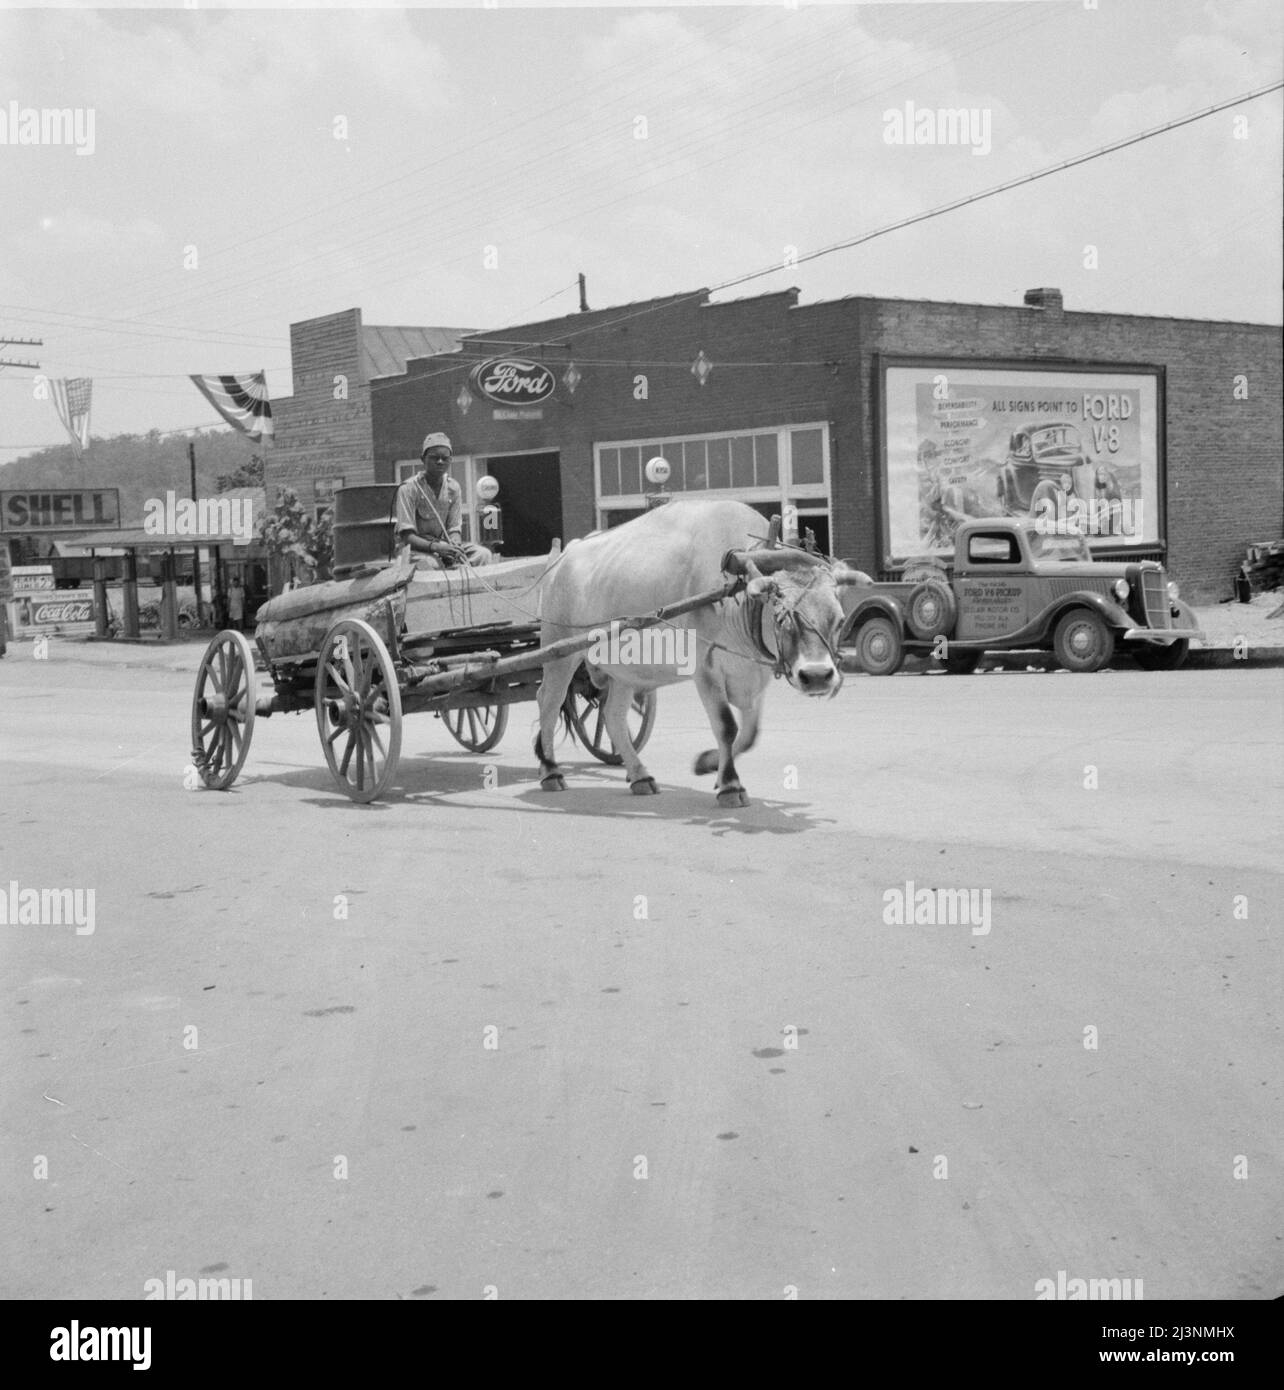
{"points": [[880, 649], [1082, 641]]}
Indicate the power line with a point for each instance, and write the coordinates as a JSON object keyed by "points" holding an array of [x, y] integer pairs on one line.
{"points": [[957, 203]]}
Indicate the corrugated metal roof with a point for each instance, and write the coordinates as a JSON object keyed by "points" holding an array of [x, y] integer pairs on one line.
{"points": [[385, 351], [138, 538]]}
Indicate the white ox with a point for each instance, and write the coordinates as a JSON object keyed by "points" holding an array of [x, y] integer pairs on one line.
{"points": [[786, 620]]}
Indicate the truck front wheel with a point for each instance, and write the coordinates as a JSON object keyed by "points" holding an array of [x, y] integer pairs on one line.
{"points": [[1082, 641], [880, 648]]}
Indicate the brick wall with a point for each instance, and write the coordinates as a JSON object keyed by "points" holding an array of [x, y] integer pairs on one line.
{"points": [[318, 436], [779, 364], [768, 370], [1225, 459]]}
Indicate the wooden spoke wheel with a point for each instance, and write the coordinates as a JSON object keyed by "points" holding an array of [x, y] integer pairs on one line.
{"points": [[223, 706], [358, 704], [584, 709], [479, 728]]}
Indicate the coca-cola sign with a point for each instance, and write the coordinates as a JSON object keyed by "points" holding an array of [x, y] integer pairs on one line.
{"points": [[75, 610], [513, 381]]}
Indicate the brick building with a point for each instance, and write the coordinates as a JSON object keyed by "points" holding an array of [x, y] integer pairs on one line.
{"points": [[871, 417], [323, 431]]}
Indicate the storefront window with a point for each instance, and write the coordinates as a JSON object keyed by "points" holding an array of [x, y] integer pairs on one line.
{"points": [[768, 464], [694, 452], [630, 471], [742, 461], [808, 457], [609, 462], [719, 463], [771, 469]]}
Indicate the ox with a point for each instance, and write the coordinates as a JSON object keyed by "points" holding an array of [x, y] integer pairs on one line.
{"points": [[785, 620]]}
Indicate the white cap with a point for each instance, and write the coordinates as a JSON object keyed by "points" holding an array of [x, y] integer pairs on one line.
{"points": [[435, 441]]}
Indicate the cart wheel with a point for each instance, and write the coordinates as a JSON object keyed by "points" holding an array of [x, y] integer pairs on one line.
{"points": [[477, 729], [584, 709], [223, 710], [358, 704]]}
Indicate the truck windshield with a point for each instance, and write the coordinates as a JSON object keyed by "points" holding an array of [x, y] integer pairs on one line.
{"points": [[1066, 547]]}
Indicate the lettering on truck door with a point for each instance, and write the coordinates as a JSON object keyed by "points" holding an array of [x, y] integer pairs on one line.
{"points": [[991, 586]]}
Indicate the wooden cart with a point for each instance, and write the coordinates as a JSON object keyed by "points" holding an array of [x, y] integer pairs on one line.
{"points": [[364, 651]]}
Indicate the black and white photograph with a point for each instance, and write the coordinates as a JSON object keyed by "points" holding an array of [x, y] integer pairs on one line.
{"points": [[482, 486]]}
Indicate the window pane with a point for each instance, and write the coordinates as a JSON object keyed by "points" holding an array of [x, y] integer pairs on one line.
{"points": [[630, 471], [719, 463], [768, 466], [696, 465], [809, 465], [610, 472], [742, 461]]}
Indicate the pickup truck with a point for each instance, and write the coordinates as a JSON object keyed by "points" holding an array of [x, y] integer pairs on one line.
{"points": [[1013, 585]]}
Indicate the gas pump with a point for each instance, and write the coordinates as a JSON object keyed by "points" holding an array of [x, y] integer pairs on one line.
{"points": [[490, 516]]}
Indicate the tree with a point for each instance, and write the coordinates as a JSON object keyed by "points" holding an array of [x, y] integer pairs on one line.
{"points": [[297, 539], [249, 474]]}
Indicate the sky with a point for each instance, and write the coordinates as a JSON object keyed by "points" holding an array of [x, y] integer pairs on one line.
{"points": [[236, 169]]}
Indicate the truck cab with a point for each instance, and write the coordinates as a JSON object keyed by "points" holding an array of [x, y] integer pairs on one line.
{"points": [[1014, 584]]}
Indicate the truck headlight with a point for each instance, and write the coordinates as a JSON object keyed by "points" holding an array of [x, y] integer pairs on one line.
{"points": [[1122, 590], [1174, 593]]}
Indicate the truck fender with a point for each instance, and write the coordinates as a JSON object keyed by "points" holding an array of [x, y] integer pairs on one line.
{"points": [[1087, 598], [867, 608]]}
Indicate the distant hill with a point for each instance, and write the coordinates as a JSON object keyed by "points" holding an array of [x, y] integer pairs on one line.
{"points": [[140, 465]]}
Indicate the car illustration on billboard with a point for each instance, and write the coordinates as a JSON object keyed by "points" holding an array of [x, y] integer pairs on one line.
{"points": [[1046, 466]]}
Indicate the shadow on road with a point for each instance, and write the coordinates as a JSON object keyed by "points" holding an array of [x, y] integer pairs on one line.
{"points": [[593, 791]]}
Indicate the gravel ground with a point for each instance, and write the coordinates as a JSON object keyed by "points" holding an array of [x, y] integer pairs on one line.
{"points": [[1224, 622]]}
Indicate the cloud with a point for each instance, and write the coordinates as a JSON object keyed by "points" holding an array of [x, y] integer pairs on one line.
{"points": [[235, 75]]}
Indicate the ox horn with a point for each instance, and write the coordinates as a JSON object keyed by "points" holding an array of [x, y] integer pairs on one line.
{"points": [[846, 574], [783, 558], [743, 562]]}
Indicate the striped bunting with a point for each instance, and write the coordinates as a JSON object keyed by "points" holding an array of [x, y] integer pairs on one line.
{"points": [[241, 400]]}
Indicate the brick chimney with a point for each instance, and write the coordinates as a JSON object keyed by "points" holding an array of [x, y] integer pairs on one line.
{"points": [[1044, 299]]}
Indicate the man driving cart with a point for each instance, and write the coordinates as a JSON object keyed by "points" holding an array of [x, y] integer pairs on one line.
{"points": [[430, 511]]}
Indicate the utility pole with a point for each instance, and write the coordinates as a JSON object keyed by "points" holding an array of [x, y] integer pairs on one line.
{"points": [[196, 549], [20, 342], [583, 300]]}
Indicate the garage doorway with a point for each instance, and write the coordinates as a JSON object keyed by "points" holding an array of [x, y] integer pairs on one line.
{"points": [[530, 499]]}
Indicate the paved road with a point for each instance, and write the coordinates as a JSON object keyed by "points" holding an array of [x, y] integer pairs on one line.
{"points": [[597, 1045]]}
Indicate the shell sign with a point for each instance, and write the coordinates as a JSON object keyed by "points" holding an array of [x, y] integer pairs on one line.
{"points": [[513, 381]]}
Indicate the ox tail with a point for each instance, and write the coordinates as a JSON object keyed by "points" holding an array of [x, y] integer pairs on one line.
{"points": [[568, 731]]}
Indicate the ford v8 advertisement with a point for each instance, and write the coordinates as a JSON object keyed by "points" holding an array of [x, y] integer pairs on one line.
{"points": [[1076, 451]]}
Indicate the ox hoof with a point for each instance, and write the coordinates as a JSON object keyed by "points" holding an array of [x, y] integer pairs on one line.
{"points": [[644, 786], [733, 796], [554, 782], [706, 762]]}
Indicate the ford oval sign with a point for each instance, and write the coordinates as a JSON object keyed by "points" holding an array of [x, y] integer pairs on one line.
{"points": [[513, 381]]}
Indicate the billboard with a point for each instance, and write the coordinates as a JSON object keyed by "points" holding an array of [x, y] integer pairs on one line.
{"points": [[1074, 450], [73, 509]]}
